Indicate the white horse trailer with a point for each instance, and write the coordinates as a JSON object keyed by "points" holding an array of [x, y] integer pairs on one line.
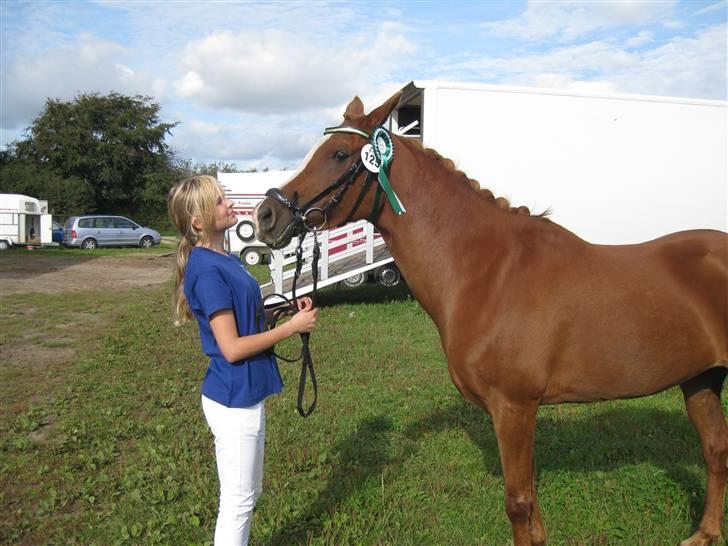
{"points": [[246, 190], [351, 254], [614, 169], [24, 221]]}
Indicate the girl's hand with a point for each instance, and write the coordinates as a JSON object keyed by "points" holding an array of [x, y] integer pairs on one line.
{"points": [[305, 320]]}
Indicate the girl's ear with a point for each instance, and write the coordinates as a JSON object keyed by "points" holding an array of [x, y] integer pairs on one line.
{"points": [[197, 223]]}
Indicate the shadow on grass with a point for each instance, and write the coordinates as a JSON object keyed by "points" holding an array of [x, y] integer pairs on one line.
{"points": [[361, 455], [611, 440], [366, 293]]}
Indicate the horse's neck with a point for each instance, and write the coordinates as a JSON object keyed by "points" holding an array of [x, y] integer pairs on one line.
{"points": [[445, 218]]}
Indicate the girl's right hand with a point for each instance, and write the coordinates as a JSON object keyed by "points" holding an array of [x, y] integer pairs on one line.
{"points": [[305, 320]]}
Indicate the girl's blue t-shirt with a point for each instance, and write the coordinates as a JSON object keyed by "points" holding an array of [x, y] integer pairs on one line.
{"points": [[214, 282]]}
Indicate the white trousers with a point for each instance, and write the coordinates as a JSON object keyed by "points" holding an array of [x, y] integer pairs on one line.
{"points": [[239, 440]]}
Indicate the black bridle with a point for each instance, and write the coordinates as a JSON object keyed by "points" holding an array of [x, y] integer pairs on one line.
{"points": [[300, 215]]}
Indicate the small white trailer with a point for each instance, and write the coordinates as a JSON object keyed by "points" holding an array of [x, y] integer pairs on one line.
{"points": [[614, 169], [350, 254], [24, 221]]}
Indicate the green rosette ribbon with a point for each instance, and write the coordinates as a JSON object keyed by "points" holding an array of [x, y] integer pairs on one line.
{"points": [[383, 146]]}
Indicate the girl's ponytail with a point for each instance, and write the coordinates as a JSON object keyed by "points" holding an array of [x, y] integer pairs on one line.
{"points": [[181, 311], [195, 196]]}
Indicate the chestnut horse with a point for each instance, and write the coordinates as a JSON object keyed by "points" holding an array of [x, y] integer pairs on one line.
{"points": [[528, 313]]}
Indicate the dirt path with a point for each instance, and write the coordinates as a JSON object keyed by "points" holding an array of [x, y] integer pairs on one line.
{"points": [[38, 343], [51, 274]]}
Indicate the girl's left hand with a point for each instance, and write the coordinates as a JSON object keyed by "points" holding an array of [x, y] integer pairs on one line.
{"points": [[304, 304]]}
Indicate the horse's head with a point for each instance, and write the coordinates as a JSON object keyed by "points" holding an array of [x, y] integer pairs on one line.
{"points": [[317, 196]]}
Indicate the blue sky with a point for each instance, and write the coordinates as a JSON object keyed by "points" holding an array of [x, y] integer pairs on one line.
{"points": [[255, 82]]}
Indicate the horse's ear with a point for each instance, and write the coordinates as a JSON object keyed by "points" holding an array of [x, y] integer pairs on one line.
{"points": [[354, 110], [380, 114]]}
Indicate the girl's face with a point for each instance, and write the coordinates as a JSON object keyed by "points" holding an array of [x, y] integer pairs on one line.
{"points": [[225, 216]]}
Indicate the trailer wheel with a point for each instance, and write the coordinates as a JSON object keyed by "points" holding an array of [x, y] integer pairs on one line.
{"points": [[389, 276], [245, 231], [354, 280], [89, 244], [4, 245], [251, 257]]}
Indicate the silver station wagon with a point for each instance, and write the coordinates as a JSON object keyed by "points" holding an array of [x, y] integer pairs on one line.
{"points": [[102, 230]]}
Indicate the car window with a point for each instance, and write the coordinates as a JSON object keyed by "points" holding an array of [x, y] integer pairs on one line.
{"points": [[57, 225], [86, 223], [123, 223], [103, 222]]}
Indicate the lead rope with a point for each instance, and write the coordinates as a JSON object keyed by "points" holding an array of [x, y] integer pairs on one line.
{"points": [[306, 359], [290, 305]]}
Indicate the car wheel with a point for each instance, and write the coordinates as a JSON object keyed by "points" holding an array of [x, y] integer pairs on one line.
{"points": [[389, 276], [4, 245], [89, 244], [251, 257], [146, 242], [245, 231], [354, 280]]}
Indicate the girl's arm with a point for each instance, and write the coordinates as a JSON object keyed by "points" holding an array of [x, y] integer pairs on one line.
{"points": [[235, 347]]}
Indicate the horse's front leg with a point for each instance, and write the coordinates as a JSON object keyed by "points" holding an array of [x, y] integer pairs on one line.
{"points": [[515, 428]]}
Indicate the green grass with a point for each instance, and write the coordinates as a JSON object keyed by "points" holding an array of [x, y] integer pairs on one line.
{"points": [[111, 447]]}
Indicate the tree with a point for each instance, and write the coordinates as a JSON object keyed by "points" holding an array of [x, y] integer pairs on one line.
{"points": [[115, 144], [65, 196]]}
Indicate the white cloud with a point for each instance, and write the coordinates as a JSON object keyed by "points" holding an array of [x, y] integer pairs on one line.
{"points": [[567, 21], [685, 66], [265, 141], [251, 142], [90, 65], [641, 38], [723, 5], [278, 71]]}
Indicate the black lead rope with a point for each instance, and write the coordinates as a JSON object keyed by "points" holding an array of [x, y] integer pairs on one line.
{"points": [[290, 307]]}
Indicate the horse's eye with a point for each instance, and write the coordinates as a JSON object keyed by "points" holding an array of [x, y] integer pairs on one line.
{"points": [[340, 155]]}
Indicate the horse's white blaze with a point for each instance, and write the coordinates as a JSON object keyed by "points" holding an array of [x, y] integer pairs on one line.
{"points": [[308, 157]]}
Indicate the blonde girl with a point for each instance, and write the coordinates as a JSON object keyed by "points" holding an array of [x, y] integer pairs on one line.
{"points": [[213, 287]]}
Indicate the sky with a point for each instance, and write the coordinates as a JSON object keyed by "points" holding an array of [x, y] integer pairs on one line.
{"points": [[254, 83]]}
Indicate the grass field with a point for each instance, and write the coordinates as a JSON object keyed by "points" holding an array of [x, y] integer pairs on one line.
{"points": [[110, 447]]}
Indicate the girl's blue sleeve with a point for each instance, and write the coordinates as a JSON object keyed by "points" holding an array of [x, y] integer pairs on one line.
{"points": [[212, 293]]}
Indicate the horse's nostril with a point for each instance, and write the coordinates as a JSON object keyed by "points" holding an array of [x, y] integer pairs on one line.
{"points": [[266, 218]]}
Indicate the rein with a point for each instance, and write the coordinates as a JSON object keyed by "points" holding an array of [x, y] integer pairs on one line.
{"points": [[289, 307]]}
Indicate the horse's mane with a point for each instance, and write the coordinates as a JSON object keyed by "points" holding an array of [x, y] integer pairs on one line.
{"points": [[484, 193]]}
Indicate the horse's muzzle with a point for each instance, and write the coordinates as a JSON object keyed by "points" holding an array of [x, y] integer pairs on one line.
{"points": [[266, 219]]}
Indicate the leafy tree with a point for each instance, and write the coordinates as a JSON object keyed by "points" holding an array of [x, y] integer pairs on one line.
{"points": [[115, 144], [65, 196], [187, 168]]}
